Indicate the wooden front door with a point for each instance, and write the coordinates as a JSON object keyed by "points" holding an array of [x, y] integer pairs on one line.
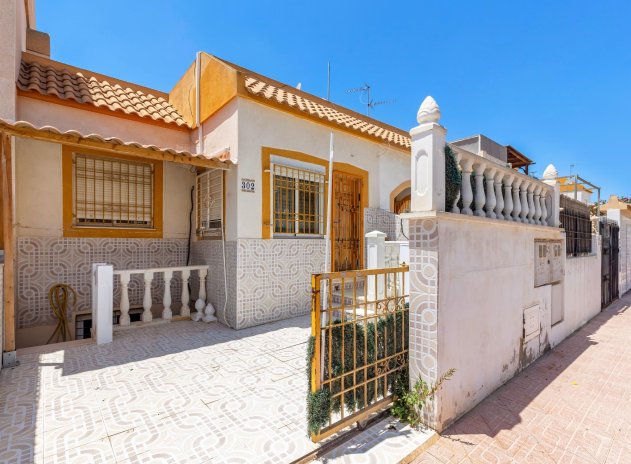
{"points": [[348, 226]]}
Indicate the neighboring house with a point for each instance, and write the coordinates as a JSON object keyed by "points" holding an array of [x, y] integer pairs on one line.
{"points": [[102, 170]]}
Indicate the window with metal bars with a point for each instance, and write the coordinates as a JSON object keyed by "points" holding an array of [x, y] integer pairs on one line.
{"points": [[112, 192], [298, 201], [209, 188]]}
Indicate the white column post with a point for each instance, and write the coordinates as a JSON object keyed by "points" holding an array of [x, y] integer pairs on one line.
{"points": [[102, 302], [124, 303], [185, 311], [508, 197], [516, 200], [146, 300], [480, 196], [499, 195], [550, 177], [376, 259], [491, 201], [200, 304], [166, 300], [428, 159], [467, 192]]}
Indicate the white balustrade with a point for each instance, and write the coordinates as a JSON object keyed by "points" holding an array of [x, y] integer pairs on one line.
{"points": [[148, 276], [500, 191]]}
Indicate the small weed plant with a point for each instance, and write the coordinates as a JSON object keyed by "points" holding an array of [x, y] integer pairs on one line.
{"points": [[409, 403]]}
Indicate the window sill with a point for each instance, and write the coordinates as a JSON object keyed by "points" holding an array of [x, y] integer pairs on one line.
{"points": [[111, 232]]}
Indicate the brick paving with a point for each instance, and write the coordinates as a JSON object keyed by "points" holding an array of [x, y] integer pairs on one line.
{"points": [[573, 405]]}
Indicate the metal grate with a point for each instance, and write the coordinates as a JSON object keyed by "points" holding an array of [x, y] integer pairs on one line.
{"points": [[360, 323], [298, 201], [112, 192], [575, 219], [209, 203]]}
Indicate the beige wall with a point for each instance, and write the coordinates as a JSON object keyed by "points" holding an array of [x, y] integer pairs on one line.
{"points": [[39, 199], [261, 126], [65, 118], [12, 43], [38, 185], [221, 132]]}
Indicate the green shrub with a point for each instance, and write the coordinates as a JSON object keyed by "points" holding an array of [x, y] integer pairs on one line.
{"points": [[408, 404]]}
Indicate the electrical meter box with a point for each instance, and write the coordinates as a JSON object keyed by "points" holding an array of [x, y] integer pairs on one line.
{"points": [[548, 262]]}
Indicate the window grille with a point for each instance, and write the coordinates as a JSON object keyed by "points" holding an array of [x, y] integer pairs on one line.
{"points": [[575, 219], [111, 192], [210, 203], [298, 201]]}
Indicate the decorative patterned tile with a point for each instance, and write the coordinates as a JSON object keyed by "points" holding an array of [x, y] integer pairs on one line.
{"points": [[45, 261]]}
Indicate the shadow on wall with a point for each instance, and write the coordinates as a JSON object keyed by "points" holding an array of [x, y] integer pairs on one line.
{"points": [[502, 410]]}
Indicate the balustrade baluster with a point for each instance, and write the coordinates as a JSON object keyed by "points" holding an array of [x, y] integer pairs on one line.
{"points": [[491, 201], [200, 304], [147, 301], [537, 216], [499, 200], [516, 200], [531, 204], [124, 302], [544, 208], [467, 192], [185, 311], [508, 196], [166, 300], [523, 193], [480, 196]]}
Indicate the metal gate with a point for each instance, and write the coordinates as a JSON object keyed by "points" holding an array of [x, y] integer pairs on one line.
{"points": [[609, 231], [360, 329]]}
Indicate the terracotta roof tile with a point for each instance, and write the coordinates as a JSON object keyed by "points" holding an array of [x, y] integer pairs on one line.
{"points": [[270, 91], [86, 89], [79, 136]]}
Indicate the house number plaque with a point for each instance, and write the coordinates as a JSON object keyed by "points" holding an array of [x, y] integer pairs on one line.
{"points": [[247, 185]]}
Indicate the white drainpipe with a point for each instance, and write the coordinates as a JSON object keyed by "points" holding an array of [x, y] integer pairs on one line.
{"points": [[198, 76]]}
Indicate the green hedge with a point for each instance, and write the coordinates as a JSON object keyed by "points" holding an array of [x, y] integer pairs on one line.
{"points": [[370, 346]]}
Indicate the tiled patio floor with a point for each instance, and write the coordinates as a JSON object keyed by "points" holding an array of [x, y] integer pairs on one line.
{"points": [[179, 392], [573, 405]]}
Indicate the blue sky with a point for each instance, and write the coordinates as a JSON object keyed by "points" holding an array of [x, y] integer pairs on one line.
{"points": [[551, 78]]}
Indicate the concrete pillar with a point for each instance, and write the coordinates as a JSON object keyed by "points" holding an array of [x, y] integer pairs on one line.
{"points": [[428, 159], [550, 178], [102, 302], [375, 259]]}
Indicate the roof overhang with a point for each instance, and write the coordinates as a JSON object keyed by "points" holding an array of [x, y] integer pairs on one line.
{"points": [[110, 144]]}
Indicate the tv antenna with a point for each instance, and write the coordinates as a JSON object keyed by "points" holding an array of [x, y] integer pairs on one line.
{"points": [[366, 99]]}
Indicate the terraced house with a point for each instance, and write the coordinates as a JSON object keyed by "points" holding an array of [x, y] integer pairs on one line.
{"points": [[226, 173]]}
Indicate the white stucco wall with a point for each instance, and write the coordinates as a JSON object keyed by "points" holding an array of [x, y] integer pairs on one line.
{"points": [[581, 292], [486, 280], [64, 118], [39, 196], [262, 126]]}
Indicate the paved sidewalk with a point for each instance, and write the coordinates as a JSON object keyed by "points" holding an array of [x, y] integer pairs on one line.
{"points": [[573, 405]]}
